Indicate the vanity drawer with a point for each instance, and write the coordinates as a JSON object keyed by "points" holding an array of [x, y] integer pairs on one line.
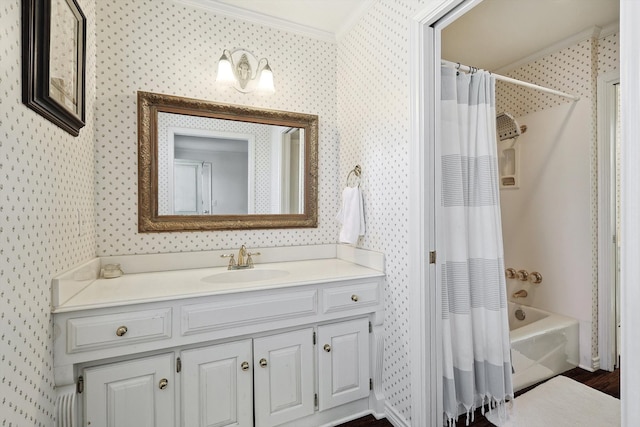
{"points": [[95, 332], [350, 297], [200, 318]]}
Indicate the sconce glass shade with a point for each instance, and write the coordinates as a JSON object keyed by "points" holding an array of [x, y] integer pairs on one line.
{"points": [[242, 70], [225, 71], [266, 80]]}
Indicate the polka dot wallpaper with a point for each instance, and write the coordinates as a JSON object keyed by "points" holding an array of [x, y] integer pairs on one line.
{"points": [[46, 184], [373, 120], [161, 46]]}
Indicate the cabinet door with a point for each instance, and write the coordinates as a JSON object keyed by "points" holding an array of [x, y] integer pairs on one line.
{"points": [[217, 386], [283, 377], [343, 362], [135, 393]]}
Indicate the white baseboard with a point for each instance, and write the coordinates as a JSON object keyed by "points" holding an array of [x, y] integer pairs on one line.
{"points": [[395, 417], [587, 368]]}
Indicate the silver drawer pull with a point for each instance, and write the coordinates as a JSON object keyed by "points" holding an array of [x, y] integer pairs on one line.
{"points": [[263, 362], [121, 331], [164, 383], [244, 366], [327, 348], [354, 298]]}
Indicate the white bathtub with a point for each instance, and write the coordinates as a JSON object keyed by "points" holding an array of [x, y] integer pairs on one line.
{"points": [[542, 345]]}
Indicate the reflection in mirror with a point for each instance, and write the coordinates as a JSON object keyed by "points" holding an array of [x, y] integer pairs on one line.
{"points": [[210, 166], [222, 167]]}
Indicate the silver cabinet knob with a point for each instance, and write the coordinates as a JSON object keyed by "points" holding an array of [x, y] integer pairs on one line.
{"points": [[244, 366], [121, 331], [263, 362], [354, 298], [164, 383], [327, 348]]}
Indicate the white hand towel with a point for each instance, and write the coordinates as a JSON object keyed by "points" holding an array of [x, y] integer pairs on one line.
{"points": [[351, 215]]}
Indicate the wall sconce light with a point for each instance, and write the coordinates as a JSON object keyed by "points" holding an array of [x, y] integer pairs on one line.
{"points": [[242, 70]]}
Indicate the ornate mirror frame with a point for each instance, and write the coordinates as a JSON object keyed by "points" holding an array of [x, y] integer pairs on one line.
{"points": [[150, 104]]}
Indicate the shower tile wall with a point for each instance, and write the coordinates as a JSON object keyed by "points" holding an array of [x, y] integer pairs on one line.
{"points": [[46, 179], [163, 46], [573, 70]]}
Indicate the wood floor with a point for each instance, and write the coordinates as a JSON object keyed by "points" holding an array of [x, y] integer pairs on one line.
{"points": [[606, 382]]}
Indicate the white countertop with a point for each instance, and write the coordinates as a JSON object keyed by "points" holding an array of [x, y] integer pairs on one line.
{"points": [[169, 285]]}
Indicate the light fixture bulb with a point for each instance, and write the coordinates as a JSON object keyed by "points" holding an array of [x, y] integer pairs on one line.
{"points": [[266, 80], [225, 71], [242, 70]]}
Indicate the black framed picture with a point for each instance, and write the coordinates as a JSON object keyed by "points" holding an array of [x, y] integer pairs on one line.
{"points": [[53, 61]]}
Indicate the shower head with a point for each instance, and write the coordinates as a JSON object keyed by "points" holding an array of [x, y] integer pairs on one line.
{"points": [[507, 127]]}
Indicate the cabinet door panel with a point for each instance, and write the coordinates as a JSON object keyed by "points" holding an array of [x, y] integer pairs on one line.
{"points": [[284, 387], [216, 391], [128, 394], [343, 362]]}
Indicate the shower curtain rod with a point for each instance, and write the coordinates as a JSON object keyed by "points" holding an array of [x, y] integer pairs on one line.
{"points": [[467, 69]]}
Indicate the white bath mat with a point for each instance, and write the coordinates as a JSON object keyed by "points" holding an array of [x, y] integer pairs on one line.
{"points": [[560, 402]]}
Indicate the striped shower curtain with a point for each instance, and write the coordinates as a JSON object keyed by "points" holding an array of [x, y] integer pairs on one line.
{"points": [[476, 363]]}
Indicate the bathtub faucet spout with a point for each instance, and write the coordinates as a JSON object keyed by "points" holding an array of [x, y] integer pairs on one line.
{"points": [[520, 294]]}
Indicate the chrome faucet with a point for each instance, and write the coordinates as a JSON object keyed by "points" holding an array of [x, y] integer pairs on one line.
{"points": [[520, 294], [245, 259]]}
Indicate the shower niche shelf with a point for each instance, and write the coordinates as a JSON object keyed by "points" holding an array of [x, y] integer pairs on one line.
{"points": [[509, 162], [508, 131]]}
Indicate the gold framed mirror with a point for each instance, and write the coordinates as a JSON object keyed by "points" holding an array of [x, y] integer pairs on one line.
{"points": [[204, 165]]}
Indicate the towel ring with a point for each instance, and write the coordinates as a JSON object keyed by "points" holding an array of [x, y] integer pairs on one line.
{"points": [[357, 170]]}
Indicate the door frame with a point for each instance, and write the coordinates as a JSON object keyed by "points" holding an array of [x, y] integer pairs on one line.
{"points": [[607, 265], [426, 289], [215, 134], [630, 183], [426, 363]]}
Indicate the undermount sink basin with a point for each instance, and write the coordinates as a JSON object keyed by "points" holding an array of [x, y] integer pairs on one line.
{"points": [[241, 276]]}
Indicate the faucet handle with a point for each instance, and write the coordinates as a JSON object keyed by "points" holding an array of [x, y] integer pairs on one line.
{"points": [[232, 260], [535, 277], [250, 259]]}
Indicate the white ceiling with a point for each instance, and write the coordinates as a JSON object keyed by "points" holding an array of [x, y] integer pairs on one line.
{"points": [[323, 15], [492, 35], [497, 33], [323, 19]]}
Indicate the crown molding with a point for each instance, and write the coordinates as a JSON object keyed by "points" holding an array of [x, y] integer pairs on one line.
{"points": [[354, 18], [259, 18], [590, 33], [609, 29]]}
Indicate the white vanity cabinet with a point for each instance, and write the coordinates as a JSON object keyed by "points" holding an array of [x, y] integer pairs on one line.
{"points": [[222, 384], [217, 385], [133, 393], [303, 355], [343, 363], [283, 377]]}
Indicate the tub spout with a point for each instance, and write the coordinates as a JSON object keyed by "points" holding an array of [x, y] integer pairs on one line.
{"points": [[520, 294]]}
